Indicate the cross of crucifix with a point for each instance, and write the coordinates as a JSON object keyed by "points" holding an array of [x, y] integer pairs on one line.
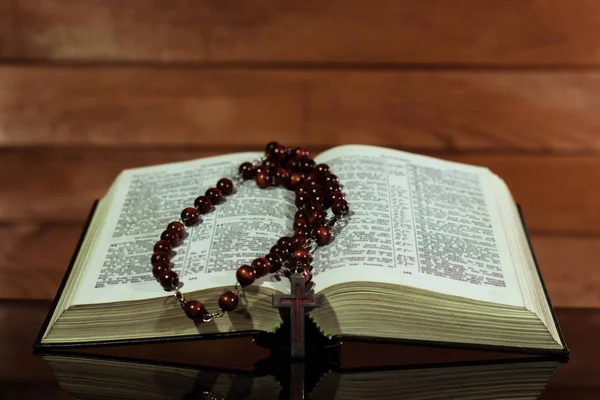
{"points": [[298, 301]]}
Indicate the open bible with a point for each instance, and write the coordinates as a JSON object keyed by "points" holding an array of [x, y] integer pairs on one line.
{"points": [[433, 252]]}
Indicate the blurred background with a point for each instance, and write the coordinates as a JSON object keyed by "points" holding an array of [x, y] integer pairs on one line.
{"points": [[90, 87]]}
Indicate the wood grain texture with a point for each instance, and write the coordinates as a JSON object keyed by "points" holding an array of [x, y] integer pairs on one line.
{"points": [[386, 31], [425, 110], [39, 255], [60, 185], [8, 42]]}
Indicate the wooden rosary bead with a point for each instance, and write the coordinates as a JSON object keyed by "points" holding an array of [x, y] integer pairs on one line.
{"points": [[293, 164], [316, 218], [194, 309], [261, 168], [314, 206], [302, 200], [322, 168], [270, 164], [322, 234], [245, 275], [214, 195], [301, 255], [168, 279], [159, 257], [190, 216], [261, 266], [301, 214], [286, 242], [283, 251], [282, 177], [295, 180], [159, 268], [163, 246], [275, 261], [313, 177], [307, 165], [246, 170], [270, 147], [277, 152], [203, 204], [301, 152], [333, 197], [171, 236], [228, 301], [178, 226], [298, 241], [263, 179], [301, 223], [317, 198], [302, 189], [301, 231], [332, 187], [328, 178], [225, 186], [340, 207], [315, 188]]}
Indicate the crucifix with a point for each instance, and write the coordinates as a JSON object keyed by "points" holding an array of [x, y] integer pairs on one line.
{"points": [[298, 302]]}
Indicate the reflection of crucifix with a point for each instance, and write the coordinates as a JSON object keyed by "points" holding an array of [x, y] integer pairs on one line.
{"points": [[297, 302]]}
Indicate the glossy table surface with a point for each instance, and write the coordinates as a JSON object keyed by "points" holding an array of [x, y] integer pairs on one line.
{"points": [[25, 376]]}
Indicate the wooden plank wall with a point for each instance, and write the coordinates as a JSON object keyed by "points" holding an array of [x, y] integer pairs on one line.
{"points": [[89, 87]]}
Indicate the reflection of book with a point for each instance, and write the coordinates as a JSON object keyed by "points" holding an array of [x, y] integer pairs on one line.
{"points": [[435, 252], [95, 378]]}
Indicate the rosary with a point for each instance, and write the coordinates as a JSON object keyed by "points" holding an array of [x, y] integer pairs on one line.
{"points": [[317, 190]]}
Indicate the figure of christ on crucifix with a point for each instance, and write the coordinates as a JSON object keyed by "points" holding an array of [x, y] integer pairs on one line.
{"points": [[298, 302]]}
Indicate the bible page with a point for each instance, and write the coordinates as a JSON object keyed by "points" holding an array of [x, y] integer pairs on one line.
{"points": [[417, 221], [243, 227]]}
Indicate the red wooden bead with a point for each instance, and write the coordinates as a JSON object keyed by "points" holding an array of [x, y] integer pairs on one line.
{"points": [[307, 165], [168, 279], [302, 231], [322, 235], [301, 152], [263, 180], [190, 216], [159, 257], [313, 206], [228, 301], [322, 168], [284, 252], [301, 255], [317, 198], [302, 200], [293, 164], [301, 214], [261, 168], [247, 170], [282, 177], [225, 186], [277, 152], [178, 226], [286, 242], [332, 187], [275, 261], [271, 146], [295, 180], [163, 246], [301, 223], [261, 266], [245, 275], [340, 207], [270, 163], [328, 178], [194, 309], [203, 204], [159, 268], [298, 241], [333, 197], [313, 177], [302, 189], [214, 195], [316, 217], [171, 236]]}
